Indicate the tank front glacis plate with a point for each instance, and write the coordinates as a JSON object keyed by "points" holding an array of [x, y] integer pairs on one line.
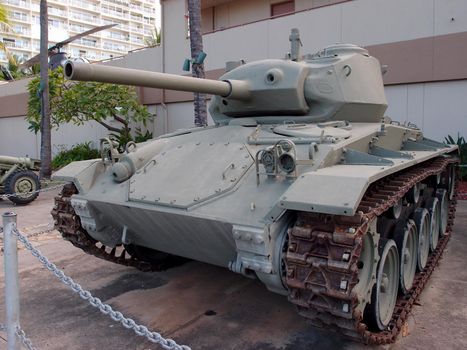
{"points": [[181, 177]]}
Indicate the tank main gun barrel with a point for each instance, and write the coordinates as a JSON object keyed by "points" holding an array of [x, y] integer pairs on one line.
{"points": [[235, 89]]}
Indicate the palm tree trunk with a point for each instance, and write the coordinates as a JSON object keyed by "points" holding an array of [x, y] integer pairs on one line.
{"points": [[196, 44], [46, 147]]}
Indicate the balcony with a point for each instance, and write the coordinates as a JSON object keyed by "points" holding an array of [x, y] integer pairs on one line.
{"points": [[136, 29], [136, 18], [17, 44], [136, 7], [53, 11], [17, 3], [20, 30], [119, 25], [84, 5], [17, 16], [137, 40], [114, 47], [116, 36], [86, 42], [113, 13], [78, 28], [118, 2], [84, 17]]}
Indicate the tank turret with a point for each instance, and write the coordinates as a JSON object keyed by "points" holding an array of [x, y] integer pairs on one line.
{"points": [[340, 82]]}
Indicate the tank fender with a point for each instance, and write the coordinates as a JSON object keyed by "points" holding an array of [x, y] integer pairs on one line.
{"points": [[335, 192], [82, 173]]}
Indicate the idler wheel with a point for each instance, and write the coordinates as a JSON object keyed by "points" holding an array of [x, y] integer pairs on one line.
{"points": [[422, 221], [379, 312], [444, 210], [405, 236], [413, 195], [433, 207], [366, 268]]}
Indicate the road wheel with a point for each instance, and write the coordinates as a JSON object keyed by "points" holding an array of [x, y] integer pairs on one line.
{"points": [[379, 312], [422, 221], [433, 207], [452, 181], [444, 207], [413, 195], [22, 182], [405, 236]]}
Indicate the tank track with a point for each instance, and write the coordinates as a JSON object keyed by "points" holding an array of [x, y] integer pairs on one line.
{"points": [[324, 250], [69, 225]]}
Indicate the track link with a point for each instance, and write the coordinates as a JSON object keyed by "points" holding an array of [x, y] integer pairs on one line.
{"points": [[69, 225], [324, 250]]}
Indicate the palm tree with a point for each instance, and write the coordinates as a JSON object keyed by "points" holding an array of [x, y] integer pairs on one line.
{"points": [[46, 142], [196, 44], [154, 38], [13, 66], [4, 24], [3, 15]]}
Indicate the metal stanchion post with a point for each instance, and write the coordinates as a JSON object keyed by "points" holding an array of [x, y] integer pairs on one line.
{"points": [[11, 280]]}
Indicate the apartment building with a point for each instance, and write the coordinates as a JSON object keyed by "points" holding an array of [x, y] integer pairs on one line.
{"points": [[424, 43], [135, 19]]}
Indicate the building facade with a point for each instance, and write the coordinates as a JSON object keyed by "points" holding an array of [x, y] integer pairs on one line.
{"points": [[423, 42], [135, 19]]}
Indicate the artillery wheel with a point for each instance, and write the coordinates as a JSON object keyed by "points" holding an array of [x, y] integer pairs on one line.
{"points": [[433, 207], [405, 236], [422, 221], [379, 312], [23, 181]]}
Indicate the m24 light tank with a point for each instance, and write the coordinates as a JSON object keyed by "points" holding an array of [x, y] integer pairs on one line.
{"points": [[302, 183]]}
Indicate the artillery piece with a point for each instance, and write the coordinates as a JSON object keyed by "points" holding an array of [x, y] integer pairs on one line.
{"points": [[17, 176], [302, 183]]}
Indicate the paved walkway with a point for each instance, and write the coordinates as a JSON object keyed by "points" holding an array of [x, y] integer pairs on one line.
{"points": [[204, 306]]}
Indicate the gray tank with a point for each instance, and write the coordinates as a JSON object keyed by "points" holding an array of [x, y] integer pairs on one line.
{"points": [[302, 183]]}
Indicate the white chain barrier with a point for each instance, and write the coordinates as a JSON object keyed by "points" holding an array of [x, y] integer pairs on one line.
{"points": [[17, 194], [49, 228], [106, 309], [21, 336]]}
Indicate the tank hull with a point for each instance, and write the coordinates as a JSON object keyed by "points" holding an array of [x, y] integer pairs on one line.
{"points": [[195, 238]]}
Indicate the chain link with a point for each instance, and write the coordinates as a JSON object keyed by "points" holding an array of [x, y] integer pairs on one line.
{"points": [[21, 336], [25, 340], [49, 228], [106, 309], [17, 194]]}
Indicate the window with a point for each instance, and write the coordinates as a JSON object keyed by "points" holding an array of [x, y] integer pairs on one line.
{"points": [[282, 8]]}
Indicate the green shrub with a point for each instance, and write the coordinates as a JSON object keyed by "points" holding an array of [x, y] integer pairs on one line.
{"points": [[81, 151], [124, 138], [462, 144]]}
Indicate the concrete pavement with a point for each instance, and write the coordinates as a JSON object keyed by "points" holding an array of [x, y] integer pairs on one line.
{"points": [[203, 306]]}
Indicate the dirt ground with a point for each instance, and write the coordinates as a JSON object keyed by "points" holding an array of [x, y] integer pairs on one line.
{"points": [[202, 306]]}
